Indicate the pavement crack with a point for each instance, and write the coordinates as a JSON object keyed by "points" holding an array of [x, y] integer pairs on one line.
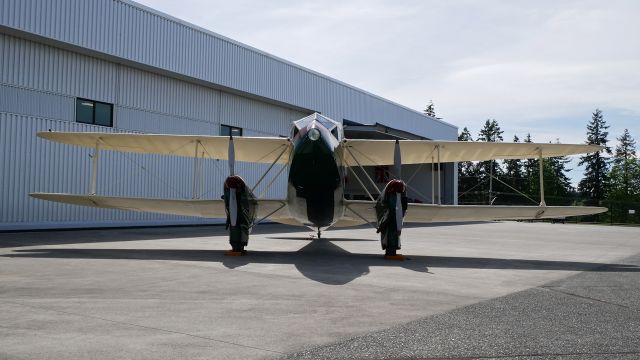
{"points": [[144, 327], [554, 289]]}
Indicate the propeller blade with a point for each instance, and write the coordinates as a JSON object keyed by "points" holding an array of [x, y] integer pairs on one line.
{"points": [[397, 160], [399, 218], [233, 207], [232, 157]]}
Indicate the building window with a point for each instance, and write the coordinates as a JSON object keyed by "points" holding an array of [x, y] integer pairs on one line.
{"points": [[226, 130], [94, 112]]}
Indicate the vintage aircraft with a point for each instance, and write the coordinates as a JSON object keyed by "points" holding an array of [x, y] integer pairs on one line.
{"points": [[318, 158]]}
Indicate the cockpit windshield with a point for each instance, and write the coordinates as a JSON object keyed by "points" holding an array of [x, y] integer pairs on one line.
{"points": [[330, 125]]}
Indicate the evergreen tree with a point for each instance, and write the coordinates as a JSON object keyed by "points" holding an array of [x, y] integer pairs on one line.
{"points": [[531, 170], [465, 135], [626, 149], [625, 181], [596, 179], [529, 164], [430, 110], [558, 184], [466, 169], [490, 133], [514, 171], [624, 169]]}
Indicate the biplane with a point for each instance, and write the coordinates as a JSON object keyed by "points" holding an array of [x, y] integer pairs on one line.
{"points": [[318, 158]]}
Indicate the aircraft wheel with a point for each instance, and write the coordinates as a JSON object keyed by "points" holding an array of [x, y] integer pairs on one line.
{"points": [[235, 239]]}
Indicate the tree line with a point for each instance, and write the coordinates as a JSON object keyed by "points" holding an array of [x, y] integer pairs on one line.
{"points": [[611, 178]]}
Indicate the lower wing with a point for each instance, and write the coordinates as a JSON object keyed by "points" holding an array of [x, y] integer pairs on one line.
{"points": [[359, 211], [275, 210]]}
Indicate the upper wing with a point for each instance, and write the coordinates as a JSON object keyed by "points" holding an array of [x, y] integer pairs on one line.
{"points": [[276, 210], [380, 152], [426, 213], [251, 149]]}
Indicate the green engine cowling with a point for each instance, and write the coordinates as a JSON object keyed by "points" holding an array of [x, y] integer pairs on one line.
{"points": [[240, 205], [391, 207]]}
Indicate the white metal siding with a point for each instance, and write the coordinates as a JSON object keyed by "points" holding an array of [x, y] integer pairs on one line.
{"points": [[31, 65], [261, 119], [148, 91], [31, 164], [36, 103], [42, 97], [40, 81]]}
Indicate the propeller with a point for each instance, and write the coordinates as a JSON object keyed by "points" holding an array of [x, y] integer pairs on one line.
{"points": [[397, 165], [232, 156], [397, 161], [233, 203]]}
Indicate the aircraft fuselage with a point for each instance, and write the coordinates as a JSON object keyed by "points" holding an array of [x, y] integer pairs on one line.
{"points": [[316, 174]]}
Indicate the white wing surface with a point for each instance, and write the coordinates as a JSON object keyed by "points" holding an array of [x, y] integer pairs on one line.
{"points": [[380, 152], [426, 213], [276, 209], [250, 149]]}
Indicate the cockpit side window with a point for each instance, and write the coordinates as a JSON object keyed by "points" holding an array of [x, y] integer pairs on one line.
{"points": [[334, 132], [330, 125]]}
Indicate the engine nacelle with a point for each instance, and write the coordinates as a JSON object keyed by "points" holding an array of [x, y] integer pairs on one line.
{"points": [[240, 205], [390, 210]]}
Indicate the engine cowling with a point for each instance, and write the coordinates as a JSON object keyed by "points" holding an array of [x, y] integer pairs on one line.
{"points": [[240, 205], [391, 207]]}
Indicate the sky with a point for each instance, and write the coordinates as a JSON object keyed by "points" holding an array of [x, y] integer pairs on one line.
{"points": [[539, 67]]}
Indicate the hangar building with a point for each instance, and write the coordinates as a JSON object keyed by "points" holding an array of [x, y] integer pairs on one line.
{"points": [[118, 66]]}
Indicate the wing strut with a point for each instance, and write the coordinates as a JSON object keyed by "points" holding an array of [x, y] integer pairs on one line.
{"points": [[439, 176], [433, 183], [269, 169], [364, 171], [197, 172], [271, 182], [542, 203], [360, 181], [94, 169]]}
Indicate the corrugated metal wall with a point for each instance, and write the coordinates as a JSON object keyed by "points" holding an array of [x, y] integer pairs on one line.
{"points": [[38, 95], [136, 33], [53, 51]]}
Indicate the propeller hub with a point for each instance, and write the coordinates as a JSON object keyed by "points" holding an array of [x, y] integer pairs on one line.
{"points": [[234, 182], [396, 186]]}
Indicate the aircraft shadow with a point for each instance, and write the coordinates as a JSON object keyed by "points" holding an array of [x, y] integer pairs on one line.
{"points": [[11, 239], [309, 238], [323, 261]]}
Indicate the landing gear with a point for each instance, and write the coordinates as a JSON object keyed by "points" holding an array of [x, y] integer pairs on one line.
{"points": [[240, 205], [237, 240], [390, 210], [319, 233], [390, 239]]}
